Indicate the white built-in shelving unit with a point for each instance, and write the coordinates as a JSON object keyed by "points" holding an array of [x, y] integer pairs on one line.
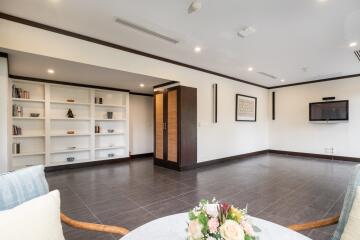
{"points": [[45, 139]]}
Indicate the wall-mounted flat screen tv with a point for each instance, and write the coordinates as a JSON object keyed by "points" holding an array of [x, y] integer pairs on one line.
{"points": [[329, 111]]}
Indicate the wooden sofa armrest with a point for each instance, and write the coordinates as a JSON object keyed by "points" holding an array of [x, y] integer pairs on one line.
{"points": [[315, 224], [93, 226]]}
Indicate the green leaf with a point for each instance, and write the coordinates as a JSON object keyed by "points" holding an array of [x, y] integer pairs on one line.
{"points": [[192, 216], [248, 237]]}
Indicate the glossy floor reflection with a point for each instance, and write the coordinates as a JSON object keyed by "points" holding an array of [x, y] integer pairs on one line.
{"points": [[278, 188]]}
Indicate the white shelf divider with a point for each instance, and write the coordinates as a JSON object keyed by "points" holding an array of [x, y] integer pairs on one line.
{"points": [[28, 100], [71, 150]]}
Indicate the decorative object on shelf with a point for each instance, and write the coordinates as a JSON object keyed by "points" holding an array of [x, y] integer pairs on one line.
{"points": [[111, 130], [70, 132], [111, 145], [217, 220], [111, 155], [35, 115], [109, 115], [20, 93], [70, 100], [17, 130], [16, 148], [17, 111], [70, 114], [70, 159], [97, 129], [98, 100], [246, 108], [71, 148]]}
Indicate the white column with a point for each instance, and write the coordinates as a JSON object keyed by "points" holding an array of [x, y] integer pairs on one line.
{"points": [[4, 115]]}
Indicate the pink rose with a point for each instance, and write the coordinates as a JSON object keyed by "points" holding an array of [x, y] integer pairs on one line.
{"points": [[213, 225], [248, 229], [194, 230]]}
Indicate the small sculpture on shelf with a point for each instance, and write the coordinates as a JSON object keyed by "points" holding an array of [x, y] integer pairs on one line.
{"points": [[70, 114], [34, 115], [111, 155], [70, 100], [111, 130], [109, 115], [70, 159], [70, 132]]}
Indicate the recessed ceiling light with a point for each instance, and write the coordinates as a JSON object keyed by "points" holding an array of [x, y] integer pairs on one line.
{"points": [[51, 71], [353, 44], [142, 85], [322, 0], [250, 69], [282, 80], [197, 49]]}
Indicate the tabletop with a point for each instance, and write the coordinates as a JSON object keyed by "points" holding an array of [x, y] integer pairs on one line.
{"points": [[173, 227]]}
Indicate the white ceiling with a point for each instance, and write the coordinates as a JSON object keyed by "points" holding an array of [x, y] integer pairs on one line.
{"points": [[36, 66], [291, 34]]}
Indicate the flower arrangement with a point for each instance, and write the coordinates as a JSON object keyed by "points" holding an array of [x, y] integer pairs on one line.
{"points": [[219, 221]]}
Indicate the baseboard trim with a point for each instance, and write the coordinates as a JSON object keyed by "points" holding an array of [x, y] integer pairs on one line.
{"points": [[231, 158], [142, 155], [85, 164], [314, 155]]}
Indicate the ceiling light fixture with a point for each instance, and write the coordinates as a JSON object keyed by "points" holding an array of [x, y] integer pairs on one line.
{"points": [[142, 85], [250, 69], [282, 80], [197, 49], [51, 71], [194, 6], [353, 44]]}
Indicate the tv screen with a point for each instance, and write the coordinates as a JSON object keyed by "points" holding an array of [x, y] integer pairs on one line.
{"points": [[329, 111]]}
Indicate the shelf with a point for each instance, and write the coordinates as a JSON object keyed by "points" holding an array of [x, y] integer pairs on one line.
{"points": [[69, 103], [28, 100], [108, 134], [109, 105], [70, 119], [109, 158], [28, 118], [71, 150], [70, 135], [28, 154], [114, 120], [28, 136], [106, 148]]}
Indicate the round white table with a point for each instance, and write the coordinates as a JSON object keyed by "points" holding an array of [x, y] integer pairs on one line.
{"points": [[173, 227]]}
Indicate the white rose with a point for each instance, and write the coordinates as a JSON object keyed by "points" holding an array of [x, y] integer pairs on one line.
{"points": [[194, 230], [212, 210], [231, 230]]}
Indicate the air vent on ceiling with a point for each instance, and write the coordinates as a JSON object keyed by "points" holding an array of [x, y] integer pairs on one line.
{"points": [[145, 30], [357, 53], [267, 75]]}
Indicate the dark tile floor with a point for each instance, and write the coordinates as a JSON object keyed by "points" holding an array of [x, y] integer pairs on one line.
{"points": [[281, 189]]}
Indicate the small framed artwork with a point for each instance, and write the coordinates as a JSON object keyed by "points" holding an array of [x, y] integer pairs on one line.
{"points": [[246, 108]]}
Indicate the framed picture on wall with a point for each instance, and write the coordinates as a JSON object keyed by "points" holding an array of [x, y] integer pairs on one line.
{"points": [[246, 108]]}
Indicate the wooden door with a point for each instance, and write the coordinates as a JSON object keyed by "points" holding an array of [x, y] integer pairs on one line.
{"points": [[159, 125], [172, 125]]}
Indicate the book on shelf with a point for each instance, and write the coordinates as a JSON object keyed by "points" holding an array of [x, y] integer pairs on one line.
{"points": [[17, 111], [20, 93], [16, 148], [17, 130]]}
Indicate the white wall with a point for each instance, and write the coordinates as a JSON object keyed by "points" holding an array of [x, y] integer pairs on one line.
{"points": [[227, 138], [141, 124], [4, 109], [292, 131]]}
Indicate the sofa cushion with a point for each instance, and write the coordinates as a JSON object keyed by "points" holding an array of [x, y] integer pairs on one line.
{"points": [[37, 219], [22, 185], [352, 228]]}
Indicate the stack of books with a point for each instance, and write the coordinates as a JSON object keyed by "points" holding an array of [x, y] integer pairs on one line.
{"points": [[20, 93], [17, 130], [17, 111]]}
